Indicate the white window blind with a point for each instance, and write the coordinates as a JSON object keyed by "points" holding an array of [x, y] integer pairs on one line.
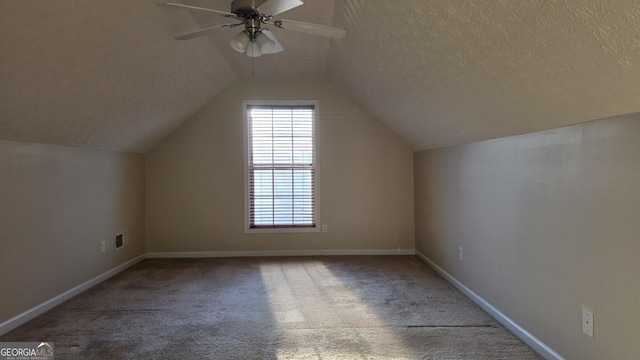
{"points": [[282, 166]]}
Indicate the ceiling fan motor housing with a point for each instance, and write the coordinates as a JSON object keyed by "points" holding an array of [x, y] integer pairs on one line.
{"points": [[246, 8]]}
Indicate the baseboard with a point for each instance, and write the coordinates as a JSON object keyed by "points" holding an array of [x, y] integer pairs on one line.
{"points": [[537, 345], [268, 253], [18, 320]]}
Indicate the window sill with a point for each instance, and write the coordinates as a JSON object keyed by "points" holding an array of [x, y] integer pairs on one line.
{"points": [[282, 230]]}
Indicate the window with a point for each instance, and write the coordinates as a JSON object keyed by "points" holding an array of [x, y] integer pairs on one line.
{"points": [[281, 167]]}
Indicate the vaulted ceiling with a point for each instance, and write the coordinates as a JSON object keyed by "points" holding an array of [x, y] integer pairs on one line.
{"points": [[109, 75]]}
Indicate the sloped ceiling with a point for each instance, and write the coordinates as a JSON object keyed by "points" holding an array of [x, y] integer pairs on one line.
{"points": [[101, 74], [442, 72], [109, 75]]}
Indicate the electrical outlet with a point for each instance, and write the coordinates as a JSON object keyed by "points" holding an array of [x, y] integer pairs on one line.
{"points": [[460, 252], [587, 322], [104, 246], [325, 229]]}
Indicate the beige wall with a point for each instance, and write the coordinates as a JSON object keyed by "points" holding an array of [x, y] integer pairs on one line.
{"points": [[548, 222], [195, 189], [56, 206]]}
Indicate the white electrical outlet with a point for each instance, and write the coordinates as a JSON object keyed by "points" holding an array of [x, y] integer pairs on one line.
{"points": [[104, 246], [460, 252], [325, 228], [587, 322]]}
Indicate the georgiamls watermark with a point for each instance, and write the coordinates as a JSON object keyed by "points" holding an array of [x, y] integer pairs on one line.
{"points": [[26, 351]]}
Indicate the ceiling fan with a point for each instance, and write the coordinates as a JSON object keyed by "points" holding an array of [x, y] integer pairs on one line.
{"points": [[255, 40]]}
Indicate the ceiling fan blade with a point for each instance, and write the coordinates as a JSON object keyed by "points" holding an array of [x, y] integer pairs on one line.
{"points": [[182, 6], [200, 32], [275, 7], [276, 49], [309, 28]]}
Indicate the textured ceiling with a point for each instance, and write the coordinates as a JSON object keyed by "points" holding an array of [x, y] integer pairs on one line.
{"points": [[443, 72], [101, 74], [109, 75]]}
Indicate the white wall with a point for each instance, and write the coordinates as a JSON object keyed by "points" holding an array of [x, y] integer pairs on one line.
{"points": [[195, 189], [549, 222], [57, 204]]}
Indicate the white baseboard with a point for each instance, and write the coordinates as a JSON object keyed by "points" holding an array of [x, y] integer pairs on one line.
{"points": [[267, 253], [537, 345], [18, 320]]}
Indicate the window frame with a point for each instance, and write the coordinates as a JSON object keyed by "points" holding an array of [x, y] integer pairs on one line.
{"points": [[281, 229]]}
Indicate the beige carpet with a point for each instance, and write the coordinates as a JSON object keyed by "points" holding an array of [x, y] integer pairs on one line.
{"points": [[351, 307]]}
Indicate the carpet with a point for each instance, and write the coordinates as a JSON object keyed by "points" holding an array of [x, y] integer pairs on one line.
{"points": [[340, 307]]}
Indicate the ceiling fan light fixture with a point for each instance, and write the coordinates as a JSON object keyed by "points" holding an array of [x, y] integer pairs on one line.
{"points": [[264, 43], [253, 50], [240, 42]]}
